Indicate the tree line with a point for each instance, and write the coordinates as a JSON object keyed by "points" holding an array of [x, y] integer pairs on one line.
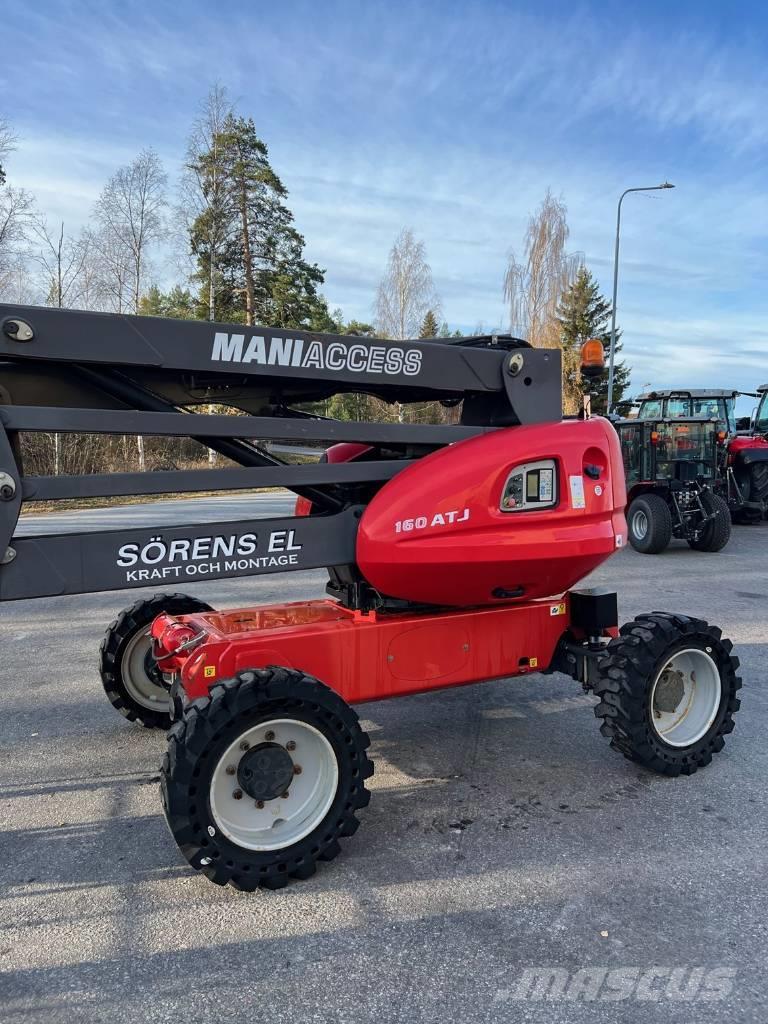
{"points": [[241, 259]]}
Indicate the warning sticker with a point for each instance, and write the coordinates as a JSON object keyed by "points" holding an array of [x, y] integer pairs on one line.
{"points": [[557, 609], [209, 672], [577, 491]]}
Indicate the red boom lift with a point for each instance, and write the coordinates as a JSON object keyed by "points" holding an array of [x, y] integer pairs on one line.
{"points": [[451, 551]]}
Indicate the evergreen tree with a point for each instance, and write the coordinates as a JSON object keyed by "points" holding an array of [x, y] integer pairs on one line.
{"points": [[178, 303], [446, 332], [357, 327], [429, 328], [261, 274], [584, 313]]}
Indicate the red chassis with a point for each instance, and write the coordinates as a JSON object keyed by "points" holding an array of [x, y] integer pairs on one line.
{"points": [[371, 656]]}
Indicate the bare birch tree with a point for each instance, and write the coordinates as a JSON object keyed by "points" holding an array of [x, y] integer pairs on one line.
{"points": [[534, 287], [406, 292], [61, 259], [15, 211], [93, 285], [130, 217], [204, 197]]}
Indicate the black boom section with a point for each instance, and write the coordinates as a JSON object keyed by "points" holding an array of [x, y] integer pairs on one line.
{"points": [[79, 563], [228, 363]]}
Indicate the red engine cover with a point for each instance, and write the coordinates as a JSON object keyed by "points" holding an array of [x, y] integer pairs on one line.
{"points": [[436, 533], [741, 444]]}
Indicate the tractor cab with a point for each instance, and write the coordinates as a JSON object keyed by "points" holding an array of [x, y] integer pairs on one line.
{"points": [[717, 404]]}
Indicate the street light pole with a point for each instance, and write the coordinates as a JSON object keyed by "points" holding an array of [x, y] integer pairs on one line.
{"points": [[648, 188]]}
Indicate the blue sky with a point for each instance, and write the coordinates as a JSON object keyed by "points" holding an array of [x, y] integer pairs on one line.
{"points": [[454, 119]]}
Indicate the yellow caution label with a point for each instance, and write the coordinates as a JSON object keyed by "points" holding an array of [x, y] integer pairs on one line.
{"points": [[557, 609], [209, 671], [533, 662]]}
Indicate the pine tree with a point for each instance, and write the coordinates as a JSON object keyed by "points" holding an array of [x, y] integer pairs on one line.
{"points": [[261, 274], [178, 303], [429, 328], [584, 313], [446, 332]]}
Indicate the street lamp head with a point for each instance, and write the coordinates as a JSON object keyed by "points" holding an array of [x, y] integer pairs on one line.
{"points": [[666, 185]]}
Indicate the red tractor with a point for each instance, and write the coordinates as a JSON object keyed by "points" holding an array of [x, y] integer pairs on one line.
{"points": [[743, 463], [452, 553]]}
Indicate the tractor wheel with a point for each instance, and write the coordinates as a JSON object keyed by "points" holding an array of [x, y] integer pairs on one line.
{"points": [[667, 690], [649, 524], [263, 777], [753, 484], [132, 681], [717, 532]]}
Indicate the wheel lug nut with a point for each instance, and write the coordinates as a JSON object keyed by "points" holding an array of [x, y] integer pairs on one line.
{"points": [[230, 769], [285, 795], [260, 804], [269, 735], [238, 794], [290, 745], [297, 769], [245, 745]]}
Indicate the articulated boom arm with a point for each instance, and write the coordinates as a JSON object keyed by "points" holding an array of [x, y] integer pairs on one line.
{"points": [[64, 371]]}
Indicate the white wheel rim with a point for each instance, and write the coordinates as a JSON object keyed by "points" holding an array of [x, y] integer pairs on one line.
{"points": [[283, 821], [640, 524], [697, 707], [141, 688]]}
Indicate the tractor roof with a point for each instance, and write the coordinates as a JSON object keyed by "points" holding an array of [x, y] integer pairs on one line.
{"points": [[689, 393]]}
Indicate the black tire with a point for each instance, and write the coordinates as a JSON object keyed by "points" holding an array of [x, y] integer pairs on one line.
{"points": [[625, 686], [649, 524], [200, 742], [118, 640], [717, 532], [753, 484]]}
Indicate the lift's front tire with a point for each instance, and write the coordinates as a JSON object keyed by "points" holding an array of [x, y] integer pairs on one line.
{"points": [[132, 681], [717, 532], [667, 690], [263, 777], [649, 524]]}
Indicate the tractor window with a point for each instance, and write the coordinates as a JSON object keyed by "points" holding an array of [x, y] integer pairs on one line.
{"points": [[650, 409], [761, 416], [730, 414], [679, 408], [714, 409], [686, 450], [531, 486], [632, 451]]}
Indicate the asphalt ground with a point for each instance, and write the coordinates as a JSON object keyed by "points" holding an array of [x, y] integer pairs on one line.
{"points": [[503, 837]]}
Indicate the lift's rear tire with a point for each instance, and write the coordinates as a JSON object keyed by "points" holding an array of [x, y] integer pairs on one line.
{"points": [[649, 524], [132, 681], [667, 690], [717, 532], [263, 777]]}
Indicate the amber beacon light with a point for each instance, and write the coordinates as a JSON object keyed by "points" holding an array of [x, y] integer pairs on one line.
{"points": [[592, 357]]}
